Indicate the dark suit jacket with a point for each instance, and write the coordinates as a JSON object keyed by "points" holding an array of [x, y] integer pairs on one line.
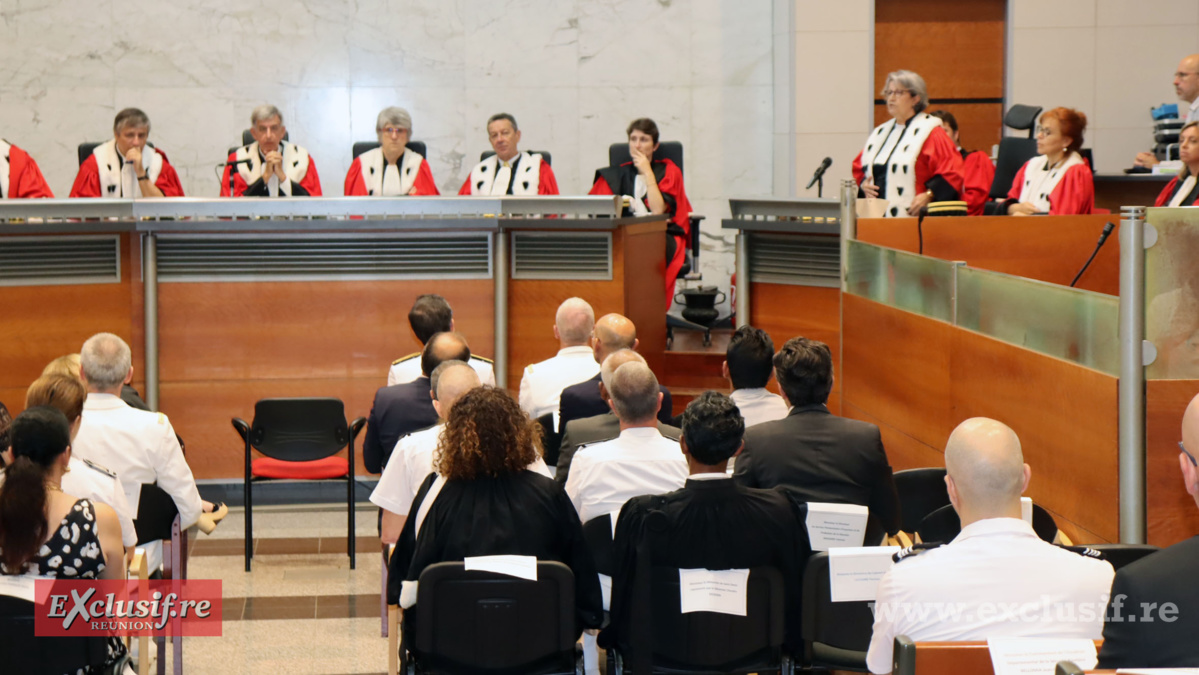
{"points": [[820, 457], [1167, 576], [583, 400], [398, 410], [595, 430]]}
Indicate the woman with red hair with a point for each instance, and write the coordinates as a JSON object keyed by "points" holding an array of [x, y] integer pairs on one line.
{"points": [[1183, 189], [1057, 181]]}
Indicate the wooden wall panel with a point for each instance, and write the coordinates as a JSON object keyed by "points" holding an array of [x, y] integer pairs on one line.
{"points": [[644, 262], [903, 451], [786, 311], [1172, 514]]}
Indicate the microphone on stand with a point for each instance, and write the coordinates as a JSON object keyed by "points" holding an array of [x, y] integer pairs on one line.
{"points": [[1107, 232], [221, 165], [828, 161]]}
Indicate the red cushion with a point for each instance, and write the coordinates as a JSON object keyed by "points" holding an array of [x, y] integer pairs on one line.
{"points": [[329, 467]]}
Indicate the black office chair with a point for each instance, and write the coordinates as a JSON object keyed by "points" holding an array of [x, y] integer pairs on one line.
{"points": [[551, 440], [1120, 555], [597, 532], [544, 155], [480, 622], [25, 652], [921, 491], [365, 146], [86, 150], [944, 524], [836, 634], [301, 438], [1014, 151]]}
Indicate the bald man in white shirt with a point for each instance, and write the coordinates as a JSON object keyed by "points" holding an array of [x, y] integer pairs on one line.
{"points": [[542, 383]]}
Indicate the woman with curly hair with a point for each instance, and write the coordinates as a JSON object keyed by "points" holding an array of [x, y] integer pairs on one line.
{"points": [[483, 500]]}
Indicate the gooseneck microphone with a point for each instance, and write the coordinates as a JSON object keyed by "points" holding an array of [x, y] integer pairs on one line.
{"points": [[1107, 232], [828, 161]]}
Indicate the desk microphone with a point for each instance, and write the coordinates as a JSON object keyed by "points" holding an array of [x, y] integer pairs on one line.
{"points": [[828, 161], [1107, 232]]}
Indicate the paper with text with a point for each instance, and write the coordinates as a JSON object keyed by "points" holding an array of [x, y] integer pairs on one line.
{"points": [[854, 572], [833, 525], [1039, 656], [521, 566], [723, 591]]}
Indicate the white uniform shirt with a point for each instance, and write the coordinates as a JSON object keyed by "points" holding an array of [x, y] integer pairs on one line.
{"points": [[140, 447], [87, 482], [759, 405], [1192, 114], [542, 383], [407, 370], [640, 461], [1000, 580]]}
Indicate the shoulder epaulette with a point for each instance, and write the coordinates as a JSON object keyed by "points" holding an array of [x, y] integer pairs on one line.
{"points": [[913, 551], [1084, 551], [405, 358], [102, 469], [481, 358]]}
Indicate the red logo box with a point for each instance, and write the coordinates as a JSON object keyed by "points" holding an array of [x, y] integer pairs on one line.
{"points": [[190, 607]]}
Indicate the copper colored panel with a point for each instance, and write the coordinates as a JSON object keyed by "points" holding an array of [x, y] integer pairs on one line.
{"points": [[1171, 513]]}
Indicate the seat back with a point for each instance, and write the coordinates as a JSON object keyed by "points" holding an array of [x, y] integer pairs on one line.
{"points": [[480, 622], [598, 533], [940, 658], [836, 634], [1120, 555], [156, 513], [1013, 153], [544, 155], [26, 653], [365, 146], [299, 429], [944, 524], [921, 491], [618, 153], [551, 440], [248, 138]]}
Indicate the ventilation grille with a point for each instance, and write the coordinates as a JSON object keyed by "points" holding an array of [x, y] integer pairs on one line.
{"points": [[562, 255], [62, 259], [797, 260], [299, 257]]}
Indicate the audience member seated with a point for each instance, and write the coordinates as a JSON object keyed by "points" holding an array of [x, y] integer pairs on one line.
{"points": [[270, 166], [711, 523], [20, 177], [542, 383], [612, 332], [400, 409], [1003, 578], [978, 171], [509, 171], [1183, 190], [68, 365], [605, 427], [1186, 85], [127, 167], [485, 501], [1154, 608], [653, 186], [392, 169], [913, 174], [47, 531], [431, 314], [818, 456], [748, 365], [1057, 181]]}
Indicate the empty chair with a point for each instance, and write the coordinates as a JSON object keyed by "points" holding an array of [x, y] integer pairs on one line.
{"points": [[921, 491], [836, 634]]}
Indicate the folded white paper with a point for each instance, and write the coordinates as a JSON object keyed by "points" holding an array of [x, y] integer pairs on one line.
{"points": [[1026, 509], [854, 572], [723, 591], [833, 525], [1039, 656], [521, 566]]}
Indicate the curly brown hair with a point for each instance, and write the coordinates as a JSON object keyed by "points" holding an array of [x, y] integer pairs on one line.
{"points": [[486, 434]]}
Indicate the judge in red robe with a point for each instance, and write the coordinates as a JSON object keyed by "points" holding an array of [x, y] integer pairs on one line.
{"points": [[509, 171], [908, 161], [978, 170], [392, 169], [127, 167], [654, 186], [270, 166], [1183, 189], [21, 178], [1057, 181]]}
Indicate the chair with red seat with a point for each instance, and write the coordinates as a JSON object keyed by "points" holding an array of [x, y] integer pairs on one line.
{"points": [[301, 439]]}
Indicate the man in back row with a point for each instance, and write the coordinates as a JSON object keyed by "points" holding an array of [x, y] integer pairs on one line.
{"points": [[270, 166], [509, 171], [430, 315], [127, 167]]}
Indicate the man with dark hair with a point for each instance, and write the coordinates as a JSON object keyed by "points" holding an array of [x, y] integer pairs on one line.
{"points": [[509, 171], [747, 366], [816, 455], [711, 523], [127, 167], [400, 409], [431, 314]]}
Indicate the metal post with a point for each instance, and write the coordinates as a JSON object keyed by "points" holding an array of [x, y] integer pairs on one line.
{"points": [[150, 311], [1132, 375], [743, 281], [849, 224], [500, 274]]}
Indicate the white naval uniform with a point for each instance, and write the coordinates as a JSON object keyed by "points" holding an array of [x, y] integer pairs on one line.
{"points": [[407, 369], [759, 405], [1005, 581], [542, 383]]}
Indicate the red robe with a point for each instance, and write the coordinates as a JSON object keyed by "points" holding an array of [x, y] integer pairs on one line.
{"points": [[547, 184], [87, 181], [25, 180], [423, 184], [311, 181], [670, 184], [1074, 194], [938, 158], [1168, 193], [979, 174]]}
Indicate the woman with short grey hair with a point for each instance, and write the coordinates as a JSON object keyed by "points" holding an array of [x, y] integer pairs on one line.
{"points": [[392, 169], [908, 161]]}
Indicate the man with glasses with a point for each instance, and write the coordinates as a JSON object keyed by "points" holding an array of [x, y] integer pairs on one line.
{"points": [[270, 166], [1154, 609], [393, 169], [1186, 85], [509, 171]]}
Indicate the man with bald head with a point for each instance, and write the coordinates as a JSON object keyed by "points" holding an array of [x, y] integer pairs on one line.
{"points": [[1161, 587], [1001, 579], [1186, 85], [401, 409], [542, 383], [612, 333]]}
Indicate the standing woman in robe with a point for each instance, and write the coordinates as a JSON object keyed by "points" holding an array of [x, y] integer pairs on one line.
{"points": [[908, 160], [1183, 189], [1057, 181]]}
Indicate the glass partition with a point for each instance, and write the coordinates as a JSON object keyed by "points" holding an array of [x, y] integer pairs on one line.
{"points": [[1172, 293], [906, 281]]}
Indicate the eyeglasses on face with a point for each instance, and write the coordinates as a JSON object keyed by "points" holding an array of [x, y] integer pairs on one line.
{"points": [[1044, 131], [1188, 454], [888, 93], [393, 131]]}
